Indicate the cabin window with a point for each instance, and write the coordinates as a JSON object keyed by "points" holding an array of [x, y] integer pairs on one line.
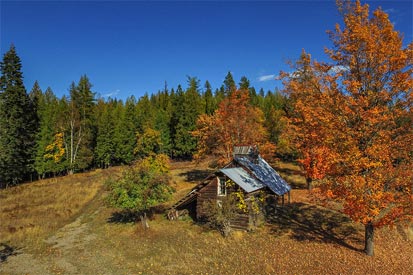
{"points": [[222, 190]]}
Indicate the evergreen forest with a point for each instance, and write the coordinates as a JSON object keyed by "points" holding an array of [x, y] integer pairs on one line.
{"points": [[44, 136]]}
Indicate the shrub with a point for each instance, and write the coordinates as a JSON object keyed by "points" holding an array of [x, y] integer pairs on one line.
{"points": [[141, 186]]}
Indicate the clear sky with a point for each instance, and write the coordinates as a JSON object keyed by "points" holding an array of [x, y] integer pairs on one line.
{"points": [[132, 47]]}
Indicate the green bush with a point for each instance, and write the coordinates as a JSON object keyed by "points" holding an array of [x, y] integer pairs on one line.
{"points": [[141, 186]]}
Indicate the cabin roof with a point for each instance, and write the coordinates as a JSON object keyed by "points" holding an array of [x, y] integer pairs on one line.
{"points": [[243, 179], [265, 173]]}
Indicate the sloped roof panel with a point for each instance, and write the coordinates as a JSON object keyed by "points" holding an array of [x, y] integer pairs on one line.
{"points": [[266, 174], [243, 179]]}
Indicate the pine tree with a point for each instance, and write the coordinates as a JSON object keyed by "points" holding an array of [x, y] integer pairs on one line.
{"points": [[125, 132], [229, 84], [48, 112], [220, 94], [163, 113], [17, 122], [244, 84], [35, 95], [210, 101], [80, 131], [187, 108], [145, 113], [105, 146]]}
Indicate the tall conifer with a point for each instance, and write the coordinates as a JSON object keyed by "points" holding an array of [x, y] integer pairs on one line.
{"points": [[17, 122]]}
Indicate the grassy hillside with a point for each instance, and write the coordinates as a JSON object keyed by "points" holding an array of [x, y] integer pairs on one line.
{"points": [[62, 226], [31, 211]]}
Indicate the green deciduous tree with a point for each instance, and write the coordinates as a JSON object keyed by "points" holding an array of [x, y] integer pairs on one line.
{"points": [[142, 186], [148, 143]]}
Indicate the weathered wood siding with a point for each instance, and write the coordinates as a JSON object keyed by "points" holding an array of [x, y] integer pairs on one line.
{"points": [[209, 192], [242, 221]]}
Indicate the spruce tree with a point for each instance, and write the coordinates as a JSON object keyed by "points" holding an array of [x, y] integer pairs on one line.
{"points": [[244, 84], [187, 108], [48, 112], [125, 132], [229, 83], [17, 122], [162, 121], [105, 147], [80, 129], [210, 101]]}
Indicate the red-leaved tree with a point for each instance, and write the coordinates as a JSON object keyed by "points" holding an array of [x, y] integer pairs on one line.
{"points": [[362, 118], [235, 122]]}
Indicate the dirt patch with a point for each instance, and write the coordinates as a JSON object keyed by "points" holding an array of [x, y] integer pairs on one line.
{"points": [[71, 235], [70, 239], [24, 264]]}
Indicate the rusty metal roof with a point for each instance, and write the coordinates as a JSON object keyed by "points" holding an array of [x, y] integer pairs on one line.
{"points": [[243, 179]]}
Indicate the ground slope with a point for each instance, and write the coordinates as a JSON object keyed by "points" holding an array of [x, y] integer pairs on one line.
{"points": [[303, 239]]}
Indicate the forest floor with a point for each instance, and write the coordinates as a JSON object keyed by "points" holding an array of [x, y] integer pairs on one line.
{"points": [[62, 226]]}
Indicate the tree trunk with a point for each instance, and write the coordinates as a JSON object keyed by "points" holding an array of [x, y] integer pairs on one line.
{"points": [[144, 221], [369, 239], [309, 183]]}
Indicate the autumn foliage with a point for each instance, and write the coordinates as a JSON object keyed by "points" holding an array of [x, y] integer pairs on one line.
{"points": [[235, 122], [352, 119], [310, 121]]}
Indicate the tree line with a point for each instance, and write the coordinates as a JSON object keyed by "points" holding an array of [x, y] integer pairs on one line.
{"points": [[43, 135]]}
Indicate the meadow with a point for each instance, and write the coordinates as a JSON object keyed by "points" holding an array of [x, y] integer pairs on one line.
{"points": [[63, 226]]}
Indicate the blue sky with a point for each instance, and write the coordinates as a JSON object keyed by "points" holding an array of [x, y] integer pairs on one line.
{"points": [[132, 47]]}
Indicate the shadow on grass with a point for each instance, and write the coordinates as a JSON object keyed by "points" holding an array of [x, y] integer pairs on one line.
{"points": [[7, 251], [294, 177], [196, 175], [131, 216], [311, 223]]}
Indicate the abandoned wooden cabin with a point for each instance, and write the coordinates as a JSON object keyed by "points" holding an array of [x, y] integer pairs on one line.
{"points": [[249, 173]]}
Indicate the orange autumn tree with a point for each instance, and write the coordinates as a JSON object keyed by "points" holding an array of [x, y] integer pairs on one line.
{"points": [[309, 121], [367, 116], [235, 122]]}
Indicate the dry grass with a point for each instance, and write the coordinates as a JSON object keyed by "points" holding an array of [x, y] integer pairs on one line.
{"points": [[292, 173], [185, 175], [306, 246], [303, 239], [29, 212]]}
